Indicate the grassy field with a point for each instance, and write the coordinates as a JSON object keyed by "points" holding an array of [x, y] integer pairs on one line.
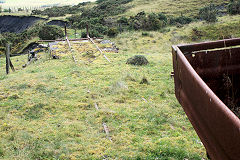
{"points": [[47, 110]]}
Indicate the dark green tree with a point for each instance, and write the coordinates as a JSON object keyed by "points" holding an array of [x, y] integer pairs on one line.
{"points": [[50, 32]]}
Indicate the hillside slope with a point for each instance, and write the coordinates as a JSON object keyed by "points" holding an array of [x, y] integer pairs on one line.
{"points": [[171, 7]]}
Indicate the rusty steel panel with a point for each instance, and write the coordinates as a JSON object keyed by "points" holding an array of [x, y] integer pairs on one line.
{"points": [[209, 45], [197, 75]]}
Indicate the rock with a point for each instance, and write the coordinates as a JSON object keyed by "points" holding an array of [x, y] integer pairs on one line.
{"points": [[138, 60], [106, 42]]}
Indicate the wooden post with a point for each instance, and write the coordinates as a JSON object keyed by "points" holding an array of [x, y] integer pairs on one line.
{"points": [[87, 29], [11, 65], [7, 53], [75, 30], [49, 51], [8, 61], [65, 30], [91, 40]]}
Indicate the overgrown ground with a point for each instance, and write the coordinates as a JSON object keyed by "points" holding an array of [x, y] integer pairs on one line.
{"points": [[47, 109]]}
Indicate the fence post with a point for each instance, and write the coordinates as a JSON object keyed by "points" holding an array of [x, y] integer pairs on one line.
{"points": [[65, 30], [8, 61], [87, 28], [49, 51], [7, 53], [75, 32]]}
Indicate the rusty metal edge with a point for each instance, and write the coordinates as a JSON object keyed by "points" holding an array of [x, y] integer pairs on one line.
{"points": [[204, 136], [209, 45]]}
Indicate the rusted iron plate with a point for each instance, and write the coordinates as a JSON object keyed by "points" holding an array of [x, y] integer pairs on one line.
{"points": [[217, 126], [209, 45]]}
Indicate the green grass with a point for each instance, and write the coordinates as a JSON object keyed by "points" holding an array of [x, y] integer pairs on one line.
{"points": [[170, 7], [47, 109]]}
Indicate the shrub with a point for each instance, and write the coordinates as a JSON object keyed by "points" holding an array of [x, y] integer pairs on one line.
{"points": [[50, 32], [143, 21], [180, 20], [92, 33], [122, 20], [36, 12], [112, 32], [208, 13], [234, 7], [138, 60]]}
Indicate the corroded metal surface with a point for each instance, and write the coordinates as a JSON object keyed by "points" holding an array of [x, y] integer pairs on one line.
{"points": [[197, 76]]}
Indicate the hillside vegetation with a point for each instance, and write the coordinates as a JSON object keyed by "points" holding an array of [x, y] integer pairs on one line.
{"points": [[48, 109], [172, 7]]}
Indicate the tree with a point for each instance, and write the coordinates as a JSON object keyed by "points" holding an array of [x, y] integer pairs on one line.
{"points": [[50, 32]]}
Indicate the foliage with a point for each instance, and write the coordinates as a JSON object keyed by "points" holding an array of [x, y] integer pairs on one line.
{"points": [[112, 32], [107, 8], [137, 60], [123, 20], [208, 13], [180, 20], [50, 32], [96, 25], [234, 7], [60, 11], [143, 21], [19, 39], [92, 33], [36, 12], [7, 10]]}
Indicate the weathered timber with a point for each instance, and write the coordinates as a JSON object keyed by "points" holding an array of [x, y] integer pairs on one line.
{"points": [[8, 60], [91, 40]]}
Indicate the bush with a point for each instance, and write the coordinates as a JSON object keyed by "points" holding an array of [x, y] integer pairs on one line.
{"points": [[112, 32], [36, 12], [234, 7], [143, 21], [50, 32], [122, 20], [180, 20], [138, 60], [92, 33], [208, 13]]}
